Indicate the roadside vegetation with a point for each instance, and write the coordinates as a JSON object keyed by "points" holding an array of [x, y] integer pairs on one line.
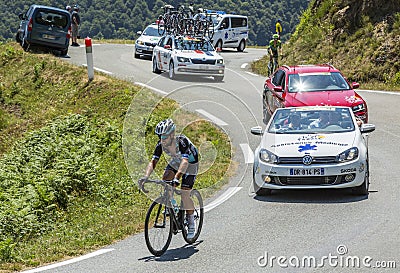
{"points": [[359, 38], [65, 189]]}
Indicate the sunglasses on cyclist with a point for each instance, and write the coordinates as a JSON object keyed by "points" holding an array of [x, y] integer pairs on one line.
{"points": [[164, 136]]}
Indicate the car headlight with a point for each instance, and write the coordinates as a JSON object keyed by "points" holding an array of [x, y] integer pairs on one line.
{"points": [[359, 107], [139, 42], [220, 61], [348, 155], [268, 157], [183, 59]]}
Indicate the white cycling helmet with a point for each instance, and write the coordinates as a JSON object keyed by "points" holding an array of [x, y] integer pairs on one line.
{"points": [[165, 127]]}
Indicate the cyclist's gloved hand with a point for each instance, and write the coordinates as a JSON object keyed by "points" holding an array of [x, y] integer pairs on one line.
{"points": [[175, 182], [141, 182]]}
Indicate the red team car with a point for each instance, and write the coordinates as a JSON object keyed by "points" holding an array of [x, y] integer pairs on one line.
{"points": [[311, 85]]}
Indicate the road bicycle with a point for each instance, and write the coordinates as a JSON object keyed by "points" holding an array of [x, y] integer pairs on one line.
{"points": [[273, 64], [163, 219]]}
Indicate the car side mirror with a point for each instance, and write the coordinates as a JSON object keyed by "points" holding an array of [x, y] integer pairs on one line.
{"points": [[21, 16], [139, 32], [367, 128], [355, 85], [258, 131], [167, 47], [278, 89]]}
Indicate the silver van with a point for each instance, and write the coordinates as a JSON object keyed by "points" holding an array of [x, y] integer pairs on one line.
{"points": [[45, 26]]}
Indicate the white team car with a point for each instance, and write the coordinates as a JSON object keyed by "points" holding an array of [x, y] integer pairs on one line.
{"points": [[186, 55], [314, 147], [147, 40]]}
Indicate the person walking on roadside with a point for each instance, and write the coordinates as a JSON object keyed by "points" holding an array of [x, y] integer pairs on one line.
{"points": [[75, 22]]}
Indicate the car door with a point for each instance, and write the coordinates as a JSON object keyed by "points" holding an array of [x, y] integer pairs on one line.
{"points": [[158, 49], [277, 90]]}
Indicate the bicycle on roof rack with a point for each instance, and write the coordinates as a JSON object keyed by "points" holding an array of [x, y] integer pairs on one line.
{"points": [[165, 218], [183, 22]]}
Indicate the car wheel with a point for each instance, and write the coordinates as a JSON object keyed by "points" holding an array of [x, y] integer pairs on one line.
{"points": [[364, 187], [218, 44], [137, 56], [155, 68], [18, 39], [266, 114], [171, 72], [218, 78], [241, 46]]}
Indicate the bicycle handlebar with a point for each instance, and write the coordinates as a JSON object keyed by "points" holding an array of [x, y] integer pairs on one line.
{"points": [[158, 182]]}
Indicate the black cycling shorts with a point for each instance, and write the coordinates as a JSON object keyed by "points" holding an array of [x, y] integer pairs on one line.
{"points": [[187, 179]]}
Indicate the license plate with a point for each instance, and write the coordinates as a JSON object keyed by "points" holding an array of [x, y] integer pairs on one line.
{"points": [[205, 67], [50, 37], [307, 172]]}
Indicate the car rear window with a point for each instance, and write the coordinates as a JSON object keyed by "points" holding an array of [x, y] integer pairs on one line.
{"points": [[51, 18]]}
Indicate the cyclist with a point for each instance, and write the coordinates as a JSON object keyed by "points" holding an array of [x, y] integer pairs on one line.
{"points": [[274, 46], [278, 28], [183, 164]]}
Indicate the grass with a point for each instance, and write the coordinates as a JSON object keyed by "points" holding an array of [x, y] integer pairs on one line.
{"points": [[70, 154]]}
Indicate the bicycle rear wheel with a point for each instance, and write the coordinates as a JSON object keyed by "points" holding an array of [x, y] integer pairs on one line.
{"points": [[158, 228], [198, 217]]}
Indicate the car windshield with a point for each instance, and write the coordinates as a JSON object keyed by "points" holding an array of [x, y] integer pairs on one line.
{"points": [[151, 31], [215, 18], [309, 82], [312, 120], [193, 44]]}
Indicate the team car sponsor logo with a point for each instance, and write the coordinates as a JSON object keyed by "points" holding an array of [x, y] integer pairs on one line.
{"points": [[307, 147], [310, 137]]}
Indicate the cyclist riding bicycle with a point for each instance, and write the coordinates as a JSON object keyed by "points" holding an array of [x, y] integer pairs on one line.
{"points": [[274, 49], [183, 164]]}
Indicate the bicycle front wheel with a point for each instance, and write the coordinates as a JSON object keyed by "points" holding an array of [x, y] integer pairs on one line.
{"points": [[158, 228], [198, 217]]}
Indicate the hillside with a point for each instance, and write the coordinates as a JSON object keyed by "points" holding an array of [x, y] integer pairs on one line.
{"points": [[121, 19], [359, 37]]}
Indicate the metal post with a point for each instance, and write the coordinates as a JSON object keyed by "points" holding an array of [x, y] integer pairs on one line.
{"points": [[89, 58]]}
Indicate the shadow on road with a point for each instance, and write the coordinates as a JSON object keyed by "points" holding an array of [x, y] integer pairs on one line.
{"points": [[327, 196], [176, 254]]}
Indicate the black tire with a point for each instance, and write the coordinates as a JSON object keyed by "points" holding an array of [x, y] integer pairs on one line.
{"points": [[364, 187], [198, 217], [155, 67], [158, 228], [241, 46], [18, 39], [137, 56], [171, 72], [218, 44], [218, 78], [266, 114]]}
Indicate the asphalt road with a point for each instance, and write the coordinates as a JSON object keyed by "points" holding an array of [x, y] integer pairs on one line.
{"points": [[290, 231]]}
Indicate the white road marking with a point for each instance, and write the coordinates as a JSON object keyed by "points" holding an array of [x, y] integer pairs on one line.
{"points": [[100, 70], [211, 117], [243, 66], [225, 196], [251, 73], [247, 152], [74, 260], [152, 88], [380, 92]]}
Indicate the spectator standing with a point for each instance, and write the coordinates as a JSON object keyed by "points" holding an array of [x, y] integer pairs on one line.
{"points": [[75, 22], [278, 28]]}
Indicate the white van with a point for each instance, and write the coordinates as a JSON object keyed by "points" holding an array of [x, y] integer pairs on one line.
{"points": [[230, 31]]}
